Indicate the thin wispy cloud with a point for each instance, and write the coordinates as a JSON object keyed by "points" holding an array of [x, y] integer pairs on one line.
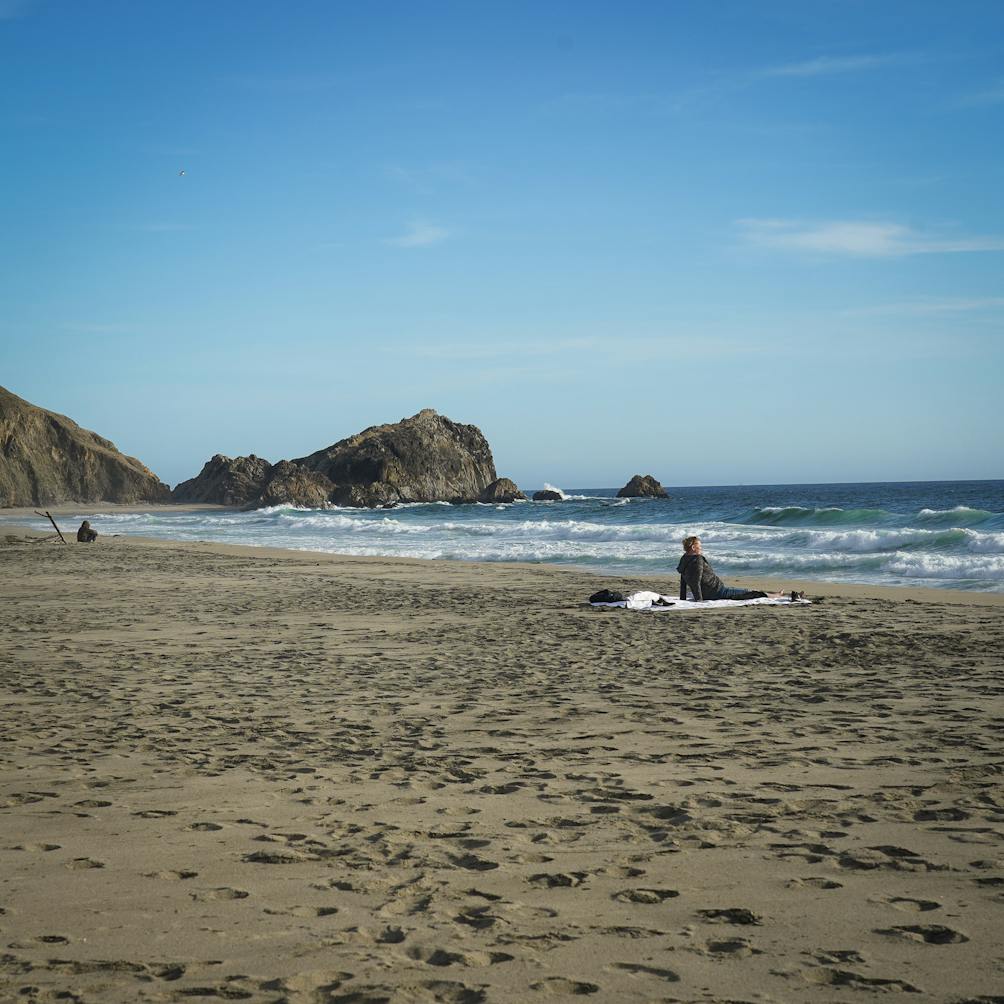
{"points": [[719, 85], [927, 307], [826, 66], [428, 178], [419, 234], [992, 96], [859, 238]]}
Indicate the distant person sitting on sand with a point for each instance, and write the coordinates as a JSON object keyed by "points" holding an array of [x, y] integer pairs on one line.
{"points": [[85, 535], [696, 573]]}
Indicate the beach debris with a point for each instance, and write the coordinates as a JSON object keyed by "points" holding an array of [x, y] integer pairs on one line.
{"points": [[53, 522]]}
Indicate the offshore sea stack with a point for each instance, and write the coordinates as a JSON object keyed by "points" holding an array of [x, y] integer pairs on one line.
{"points": [[642, 487], [425, 458], [47, 458]]}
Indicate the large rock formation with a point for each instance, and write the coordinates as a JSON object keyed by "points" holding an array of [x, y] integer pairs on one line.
{"points": [[236, 481], [425, 458], [502, 490], [47, 458], [250, 483], [548, 495], [640, 487], [291, 484]]}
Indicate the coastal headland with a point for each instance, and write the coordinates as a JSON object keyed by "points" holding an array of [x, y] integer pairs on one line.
{"points": [[245, 773]]}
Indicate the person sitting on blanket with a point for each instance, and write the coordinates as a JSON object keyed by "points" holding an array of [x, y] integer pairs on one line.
{"points": [[696, 573]]}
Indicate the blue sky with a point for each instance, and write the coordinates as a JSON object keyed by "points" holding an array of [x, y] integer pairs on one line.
{"points": [[718, 243]]}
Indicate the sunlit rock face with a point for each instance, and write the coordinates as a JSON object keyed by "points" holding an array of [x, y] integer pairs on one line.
{"points": [[46, 458], [425, 458]]}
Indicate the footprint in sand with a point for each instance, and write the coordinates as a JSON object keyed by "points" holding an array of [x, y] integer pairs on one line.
{"points": [[442, 957], [303, 911], [205, 827], [443, 992], [35, 847], [950, 814], [276, 858], [558, 880], [636, 969], [649, 897], [283, 838], [430, 992], [929, 934], [223, 892], [472, 863], [480, 918], [558, 986], [815, 882], [732, 915], [451, 833], [77, 864], [312, 985], [734, 948], [383, 936], [177, 876], [856, 981], [624, 931], [907, 904], [154, 813], [622, 872], [19, 798], [841, 957], [490, 896]]}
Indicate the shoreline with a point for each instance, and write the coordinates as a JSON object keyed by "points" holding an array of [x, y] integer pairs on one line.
{"points": [[815, 588]]}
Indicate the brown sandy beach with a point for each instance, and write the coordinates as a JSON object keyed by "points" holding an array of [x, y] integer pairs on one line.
{"points": [[252, 774]]}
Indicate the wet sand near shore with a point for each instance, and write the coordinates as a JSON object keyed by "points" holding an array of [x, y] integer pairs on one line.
{"points": [[243, 773]]}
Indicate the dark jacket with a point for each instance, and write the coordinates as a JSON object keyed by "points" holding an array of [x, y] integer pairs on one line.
{"points": [[697, 573]]}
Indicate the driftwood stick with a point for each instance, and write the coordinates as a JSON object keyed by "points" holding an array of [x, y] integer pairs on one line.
{"points": [[53, 522]]}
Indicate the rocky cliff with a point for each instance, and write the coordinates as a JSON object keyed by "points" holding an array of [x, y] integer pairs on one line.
{"points": [[425, 458], [47, 458]]}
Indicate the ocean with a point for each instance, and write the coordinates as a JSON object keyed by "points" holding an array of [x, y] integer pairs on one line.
{"points": [[941, 534]]}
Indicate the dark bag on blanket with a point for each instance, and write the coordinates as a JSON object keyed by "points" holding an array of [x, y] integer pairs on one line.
{"points": [[606, 596]]}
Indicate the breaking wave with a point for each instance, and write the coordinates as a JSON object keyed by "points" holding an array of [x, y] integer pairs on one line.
{"points": [[907, 537]]}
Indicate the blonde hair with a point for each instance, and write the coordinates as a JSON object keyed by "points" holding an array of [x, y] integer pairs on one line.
{"points": [[689, 542]]}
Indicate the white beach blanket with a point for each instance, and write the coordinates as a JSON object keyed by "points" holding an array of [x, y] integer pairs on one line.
{"points": [[646, 600]]}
